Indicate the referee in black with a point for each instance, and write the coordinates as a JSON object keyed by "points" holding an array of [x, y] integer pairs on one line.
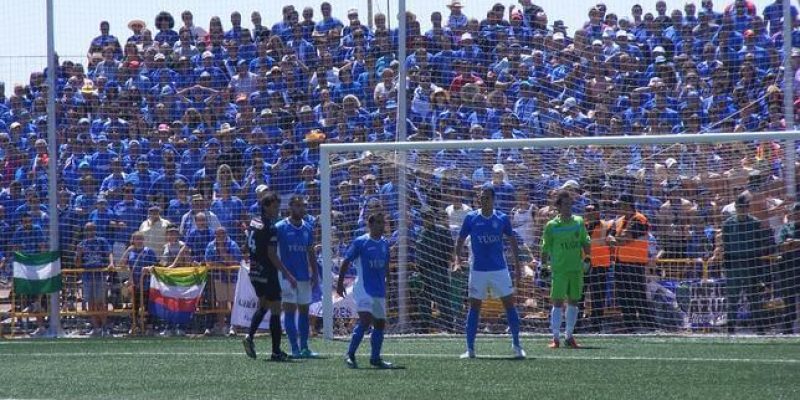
{"points": [[262, 242]]}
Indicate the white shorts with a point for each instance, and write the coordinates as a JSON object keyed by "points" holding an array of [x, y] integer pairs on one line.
{"points": [[366, 303], [498, 281], [297, 295]]}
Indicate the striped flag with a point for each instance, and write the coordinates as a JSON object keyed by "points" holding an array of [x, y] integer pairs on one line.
{"points": [[174, 292], [37, 273]]}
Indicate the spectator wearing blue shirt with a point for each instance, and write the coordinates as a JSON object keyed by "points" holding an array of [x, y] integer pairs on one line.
{"points": [[456, 21], [104, 40], [773, 15], [230, 211], [142, 179], [28, 238], [128, 215], [236, 26], [504, 190], [136, 258], [285, 173], [328, 22], [163, 188], [94, 253], [199, 237], [164, 23], [223, 252], [113, 183], [102, 217]]}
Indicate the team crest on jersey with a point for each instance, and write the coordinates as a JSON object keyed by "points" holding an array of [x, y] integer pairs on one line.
{"points": [[495, 225]]}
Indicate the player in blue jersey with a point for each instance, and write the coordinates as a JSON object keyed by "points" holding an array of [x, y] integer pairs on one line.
{"points": [[370, 255], [486, 228], [296, 251]]}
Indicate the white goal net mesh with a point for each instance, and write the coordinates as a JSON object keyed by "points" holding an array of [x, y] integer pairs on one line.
{"points": [[715, 246]]}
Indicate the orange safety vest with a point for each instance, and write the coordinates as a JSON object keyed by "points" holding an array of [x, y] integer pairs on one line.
{"points": [[601, 251], [635, 251]]}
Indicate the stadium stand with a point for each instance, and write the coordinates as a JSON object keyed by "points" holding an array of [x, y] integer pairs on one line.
{"points": [[179, 124]]}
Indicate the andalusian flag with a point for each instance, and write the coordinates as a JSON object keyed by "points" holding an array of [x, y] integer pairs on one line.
{"points": [[37, 273], [174, 292]]}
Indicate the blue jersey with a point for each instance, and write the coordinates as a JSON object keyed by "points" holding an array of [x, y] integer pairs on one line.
{"points": [[293, 244], [371, 260], [95, 253], [486, 239], [94, 256]]}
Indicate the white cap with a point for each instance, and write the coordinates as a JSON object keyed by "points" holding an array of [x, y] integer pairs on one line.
{"points": [[659, 49], [558, 36], [208, 54], [159, 56], [571, 184], [466, 36], [621, 34], [597, 42], [498, 168]]}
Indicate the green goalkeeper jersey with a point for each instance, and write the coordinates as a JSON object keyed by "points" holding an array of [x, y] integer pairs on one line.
{"points": [[563, 241]]}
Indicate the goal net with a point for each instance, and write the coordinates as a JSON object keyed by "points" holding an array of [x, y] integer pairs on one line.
{"points": [[714, 255]]}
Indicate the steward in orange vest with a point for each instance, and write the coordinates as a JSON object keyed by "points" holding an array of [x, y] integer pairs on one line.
{"points": [[631, 256], [597, 277]]}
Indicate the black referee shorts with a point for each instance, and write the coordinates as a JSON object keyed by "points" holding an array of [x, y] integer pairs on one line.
{"points": [[267, 286]]}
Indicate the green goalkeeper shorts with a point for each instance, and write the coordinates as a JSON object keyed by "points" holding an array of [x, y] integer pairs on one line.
{"points": [[567, 286]]}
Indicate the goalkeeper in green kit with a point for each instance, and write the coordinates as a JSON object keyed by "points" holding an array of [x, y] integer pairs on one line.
{"points": [[565, 248]]}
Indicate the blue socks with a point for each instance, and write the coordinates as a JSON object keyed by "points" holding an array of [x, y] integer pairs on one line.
{"points": [[555, 321], [513, 324], [355, 341], [572, 318], [376, 341], [473, 316], [291, 329], [302, 325]]}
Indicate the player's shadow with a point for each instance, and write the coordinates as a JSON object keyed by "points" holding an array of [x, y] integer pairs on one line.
{"points": [[584, 347], [368, 368], [503, 358]]}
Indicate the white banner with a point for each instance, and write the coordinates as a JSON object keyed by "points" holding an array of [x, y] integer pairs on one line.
{"points": [[245, 302]]}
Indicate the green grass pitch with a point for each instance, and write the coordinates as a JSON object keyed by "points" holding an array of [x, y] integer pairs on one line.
{"points": [[617, 368]]}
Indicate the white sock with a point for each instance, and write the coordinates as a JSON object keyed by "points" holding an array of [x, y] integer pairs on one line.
{"points": [[555, 321], [572, 318]]}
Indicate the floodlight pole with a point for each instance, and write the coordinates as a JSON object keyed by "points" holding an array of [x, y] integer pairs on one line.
{"points": [[790, 146], [55, 329]]}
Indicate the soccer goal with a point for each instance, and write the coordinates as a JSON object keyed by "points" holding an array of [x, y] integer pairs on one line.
{"points": [[690, 233]]}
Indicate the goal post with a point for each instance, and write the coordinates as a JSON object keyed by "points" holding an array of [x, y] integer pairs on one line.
{"points": [[695, 302]]}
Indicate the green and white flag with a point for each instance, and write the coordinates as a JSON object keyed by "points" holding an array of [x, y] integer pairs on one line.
{"points": [[37, 273]]}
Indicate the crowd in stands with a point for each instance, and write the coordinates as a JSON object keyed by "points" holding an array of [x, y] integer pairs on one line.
{"points": [[171, 130]]}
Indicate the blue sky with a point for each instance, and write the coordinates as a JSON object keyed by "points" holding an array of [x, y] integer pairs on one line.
{"points": [[23, 36]]}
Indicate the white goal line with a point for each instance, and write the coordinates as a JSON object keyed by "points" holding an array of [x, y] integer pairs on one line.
{"points": [[411, 355]]}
